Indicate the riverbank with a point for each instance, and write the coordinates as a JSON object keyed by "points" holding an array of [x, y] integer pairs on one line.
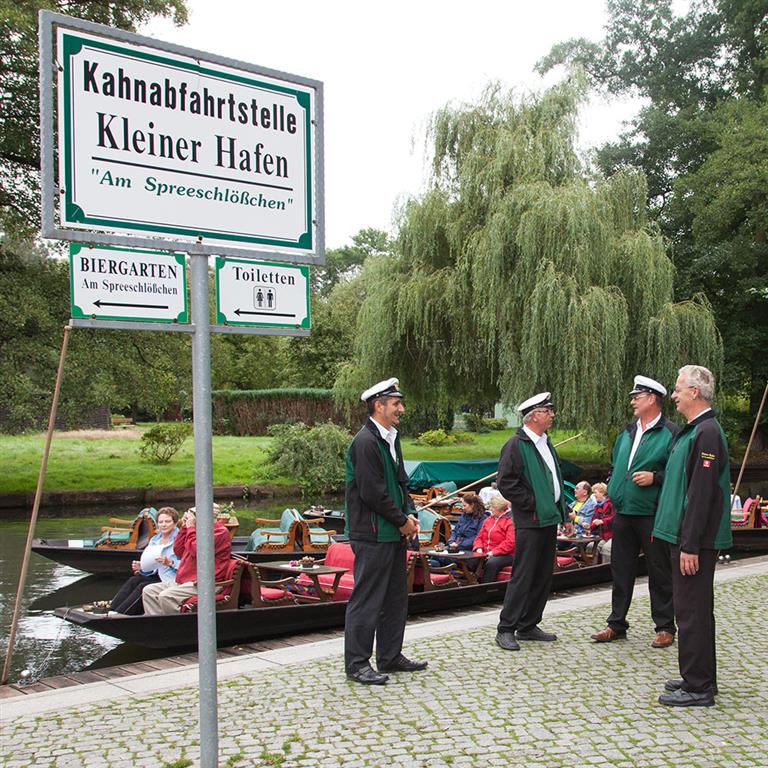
{"points": [[549, 706], [65, 503]]}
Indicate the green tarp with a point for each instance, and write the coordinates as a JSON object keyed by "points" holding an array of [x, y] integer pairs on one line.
{"points": [[424, 474]]}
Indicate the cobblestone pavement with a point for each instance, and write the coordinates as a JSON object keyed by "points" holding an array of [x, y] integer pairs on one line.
{"points": [[569, 703]]}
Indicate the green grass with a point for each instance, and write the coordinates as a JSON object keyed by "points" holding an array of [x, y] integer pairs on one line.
{"points": [[93, 462], [99, 461], [488, 445]]}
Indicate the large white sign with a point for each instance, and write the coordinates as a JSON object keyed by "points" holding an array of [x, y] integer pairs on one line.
{"points": [[158, 143], [122, 284], [261, 293]]}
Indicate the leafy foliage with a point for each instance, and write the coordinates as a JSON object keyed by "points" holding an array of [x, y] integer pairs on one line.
{"points": [[19, 134], [161, 442], [313, 455], [438, 437], [517, 272], [701, 141]]}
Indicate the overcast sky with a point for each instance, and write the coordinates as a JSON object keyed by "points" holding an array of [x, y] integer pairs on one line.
{"points": [[386, 68]]}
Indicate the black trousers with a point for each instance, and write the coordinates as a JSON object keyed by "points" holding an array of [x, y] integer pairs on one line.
{"points": [[528, 589], [128, 597], [695, 613], [631, 535], [493, 565], [378, 605]]}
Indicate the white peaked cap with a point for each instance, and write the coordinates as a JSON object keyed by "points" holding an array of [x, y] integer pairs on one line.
{"points": [[387, 388], [542, 400], [644, 384]]}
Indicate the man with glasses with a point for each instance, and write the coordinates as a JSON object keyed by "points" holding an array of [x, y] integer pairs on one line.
{"points": [[694, 517], [639, 457], [529, 477]]}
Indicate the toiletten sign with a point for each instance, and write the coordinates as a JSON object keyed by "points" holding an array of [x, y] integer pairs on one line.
{"points": [[261, 293], [159, 143]]}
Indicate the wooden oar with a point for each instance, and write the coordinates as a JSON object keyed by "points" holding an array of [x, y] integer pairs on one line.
{"points": [[35, 509], [749, 446], [487, 477]]}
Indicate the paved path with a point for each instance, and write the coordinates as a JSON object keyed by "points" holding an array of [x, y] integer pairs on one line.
{"points": [[570, 703]]}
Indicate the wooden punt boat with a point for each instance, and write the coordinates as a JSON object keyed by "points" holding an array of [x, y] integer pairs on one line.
{"points": [[104, 561], [246, 625]]}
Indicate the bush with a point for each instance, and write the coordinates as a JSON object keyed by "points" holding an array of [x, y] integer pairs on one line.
{"points": [[160, 443], [496, 424], [313, 456], [438, 437], [254, 411], [476, 422], [418, 419]]}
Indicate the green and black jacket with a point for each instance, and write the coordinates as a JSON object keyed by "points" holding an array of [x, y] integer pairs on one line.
{"points": [[377, 500], [651, 456], [526, 481], [693, 507]]}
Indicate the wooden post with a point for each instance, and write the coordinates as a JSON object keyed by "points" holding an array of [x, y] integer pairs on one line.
{"points": [[35, 508]]}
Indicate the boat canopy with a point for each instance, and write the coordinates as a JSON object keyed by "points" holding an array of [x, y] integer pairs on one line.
{"points": [[425, 474]]}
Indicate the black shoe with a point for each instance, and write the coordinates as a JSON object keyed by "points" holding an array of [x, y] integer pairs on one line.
{"points": [[403, 664], [681, 698], [674, 685], [506, 640], [367, 675], [536, 634]]}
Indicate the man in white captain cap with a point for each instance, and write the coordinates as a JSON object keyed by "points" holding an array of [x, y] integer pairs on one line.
{"points": [[530, 478], [377, 523], [639, 457]]}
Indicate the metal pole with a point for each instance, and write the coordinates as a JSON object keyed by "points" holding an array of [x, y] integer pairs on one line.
{"points": [[206, 612], [35, 509]]}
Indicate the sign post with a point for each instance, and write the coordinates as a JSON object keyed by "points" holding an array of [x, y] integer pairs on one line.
{"points": [[166, 148]]}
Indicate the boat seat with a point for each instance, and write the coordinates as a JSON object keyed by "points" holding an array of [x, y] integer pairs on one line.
{"points": [[433, 528], [259, 593], [429, 577], [281, 538], [135, 535], [339, 555], [228, 590], [314, 539]]}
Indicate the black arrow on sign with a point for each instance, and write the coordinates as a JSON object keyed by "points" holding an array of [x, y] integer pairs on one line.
{"points": [[101, 303], [239, 312]]}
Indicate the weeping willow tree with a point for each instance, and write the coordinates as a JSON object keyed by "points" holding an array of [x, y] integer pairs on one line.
{"points": [[518, 272]]}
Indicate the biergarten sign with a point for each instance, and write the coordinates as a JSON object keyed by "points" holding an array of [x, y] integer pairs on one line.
{"points": [[122, 284]]}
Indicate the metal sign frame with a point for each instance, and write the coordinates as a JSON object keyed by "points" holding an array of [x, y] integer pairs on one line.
{"points": [[51, 192]]}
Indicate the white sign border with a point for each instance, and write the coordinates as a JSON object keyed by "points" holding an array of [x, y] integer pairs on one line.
{"points": [[50, 21]]}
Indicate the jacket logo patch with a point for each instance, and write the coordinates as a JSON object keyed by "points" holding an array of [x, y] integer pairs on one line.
{"points": [[706, 463], [710, 456]]}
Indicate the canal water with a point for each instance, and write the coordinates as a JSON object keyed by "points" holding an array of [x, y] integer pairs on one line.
{"points": [[47, 645]]}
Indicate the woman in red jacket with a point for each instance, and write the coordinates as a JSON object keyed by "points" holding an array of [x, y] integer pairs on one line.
{"points": [[602, 521], [496, 539]]}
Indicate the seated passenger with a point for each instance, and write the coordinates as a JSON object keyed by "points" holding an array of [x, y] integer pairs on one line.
{"points": [[582, 508], [602, 521], [487, 493], [466, 529], [169, 597], [496, 539], [158, 564]]}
